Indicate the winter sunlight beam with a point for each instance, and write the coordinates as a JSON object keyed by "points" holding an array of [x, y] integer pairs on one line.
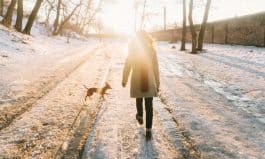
{"points": [[119, 17]]}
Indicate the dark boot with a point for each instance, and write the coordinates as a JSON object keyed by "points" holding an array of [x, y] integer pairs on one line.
{"points": [[148, 134]]}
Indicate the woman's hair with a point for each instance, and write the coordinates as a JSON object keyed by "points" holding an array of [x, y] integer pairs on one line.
{"points": [[144, 37]]}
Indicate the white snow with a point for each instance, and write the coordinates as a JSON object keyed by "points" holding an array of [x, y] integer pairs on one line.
{"points": [[236, 72], [39, 132], [25, 59], [219, 96]]}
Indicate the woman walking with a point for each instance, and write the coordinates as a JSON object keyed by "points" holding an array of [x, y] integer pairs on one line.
{"points": [[142, 62]]}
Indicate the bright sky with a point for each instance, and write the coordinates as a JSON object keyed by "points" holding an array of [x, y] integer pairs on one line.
{"points": [[118, 15]]}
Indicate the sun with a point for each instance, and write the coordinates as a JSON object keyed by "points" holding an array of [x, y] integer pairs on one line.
{"points": [[119, 17]]}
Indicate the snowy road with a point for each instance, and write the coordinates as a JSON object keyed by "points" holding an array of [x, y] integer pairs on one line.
{"points": [[201, 112]]}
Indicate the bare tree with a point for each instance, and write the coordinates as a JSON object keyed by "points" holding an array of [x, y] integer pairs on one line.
{"points": [[79, 16], [56, 21], [82, 14], [83, 21], [1, 7], [19, 20], [192, 29], [49, 7], [92, 14], [203, 25], [67, 18], [183, 38], [32, 17], [8, 17]]}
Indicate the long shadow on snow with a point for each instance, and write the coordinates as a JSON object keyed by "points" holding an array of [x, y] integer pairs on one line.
{"points": [[147, 148]]}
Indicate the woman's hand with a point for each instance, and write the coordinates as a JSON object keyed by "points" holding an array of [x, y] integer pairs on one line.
{"points": [[123, 84]]}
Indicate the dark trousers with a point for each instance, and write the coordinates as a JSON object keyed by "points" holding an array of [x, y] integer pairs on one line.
{"points": [[148, 110]]}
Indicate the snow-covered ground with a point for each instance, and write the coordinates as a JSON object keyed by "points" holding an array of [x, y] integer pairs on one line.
{"points": [[31, 65], [235, 72], [219, 96], [42, 130], [211, 105], [24, 58]]}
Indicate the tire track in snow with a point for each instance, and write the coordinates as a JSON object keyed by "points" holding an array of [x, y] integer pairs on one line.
{"points": [[74, 145], [177, 132]]}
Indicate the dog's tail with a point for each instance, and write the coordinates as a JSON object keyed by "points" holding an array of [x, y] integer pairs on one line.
{"points": [[85, 87]]}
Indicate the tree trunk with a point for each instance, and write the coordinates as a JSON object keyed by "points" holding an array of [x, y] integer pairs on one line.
{"points": [[8, 17], [1, 7], [78, 17], [32, 17], [19, 20], [48, 16], [203, 25], [48, 13], [56, 21], [83, 21], [192, 30], [183, 38]]}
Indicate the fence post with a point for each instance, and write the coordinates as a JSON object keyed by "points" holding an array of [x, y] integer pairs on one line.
{"points": [[226, 33], [213, 34], [263, 36]]}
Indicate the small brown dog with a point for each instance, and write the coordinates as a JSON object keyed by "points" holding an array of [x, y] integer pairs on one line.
{"points": [[101, 91]]}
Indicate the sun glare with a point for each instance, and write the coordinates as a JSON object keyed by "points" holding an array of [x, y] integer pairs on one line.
{"points": [[119, 17]]}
